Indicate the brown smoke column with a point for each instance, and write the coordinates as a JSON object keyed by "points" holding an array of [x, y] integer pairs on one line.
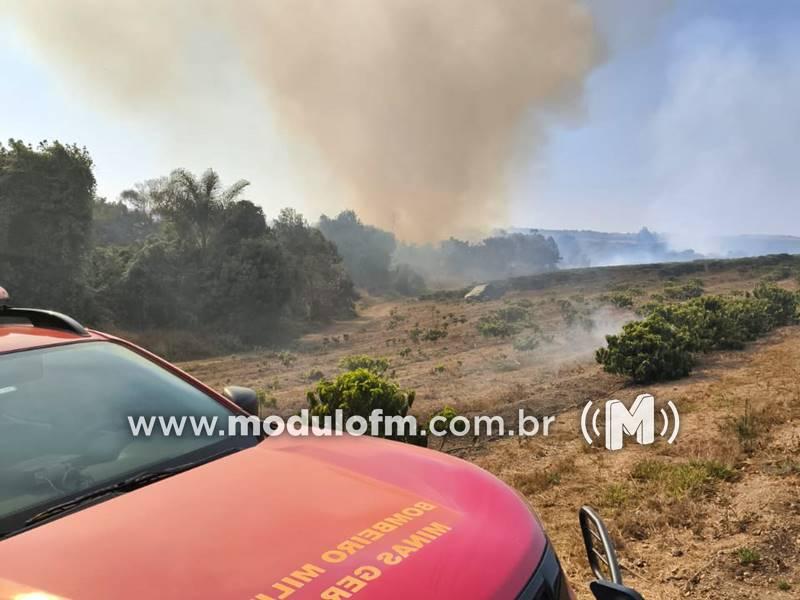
{"points": [[416, 105]]}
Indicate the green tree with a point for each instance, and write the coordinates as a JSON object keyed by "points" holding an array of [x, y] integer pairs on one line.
{"points": [[194, 204], [246, 289], [366, 250], [151, 291], [320, 286], [46, 197], [148, 195], [116, 224]]}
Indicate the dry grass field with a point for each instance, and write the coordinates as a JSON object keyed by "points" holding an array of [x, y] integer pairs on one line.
{"points": [[716, 515]]}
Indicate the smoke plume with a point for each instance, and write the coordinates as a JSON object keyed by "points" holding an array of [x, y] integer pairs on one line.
{"points": [[415, 105]]}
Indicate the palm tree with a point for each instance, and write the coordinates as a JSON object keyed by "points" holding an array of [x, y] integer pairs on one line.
{"points": [[193, 204]]}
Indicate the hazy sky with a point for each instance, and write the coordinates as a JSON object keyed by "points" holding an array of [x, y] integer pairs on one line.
{"points": [[690, 125]]}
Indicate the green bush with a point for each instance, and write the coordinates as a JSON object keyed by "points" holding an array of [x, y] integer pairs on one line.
{"points": [[265, 401], [568, 312], [780, 273], [433, 334], [691, 289], [448, 413], [618, 299], [359, 393], [492, 327], [648, 350], [505, 322], [574, 317], [526, 343], [706, 321], [781, 304], [748, 556], [378, 365], [748, 320], [286, 358], [661, 345]]}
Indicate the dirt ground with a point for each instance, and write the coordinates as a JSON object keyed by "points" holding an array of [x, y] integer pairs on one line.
{"points": [[716, 515], [733, 535]]}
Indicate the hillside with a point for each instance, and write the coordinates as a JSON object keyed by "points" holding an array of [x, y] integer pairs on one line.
{"points": [[714, 516]]}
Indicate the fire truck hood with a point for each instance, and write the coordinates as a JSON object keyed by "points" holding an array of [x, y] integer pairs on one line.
{"points": [[290, 518]]}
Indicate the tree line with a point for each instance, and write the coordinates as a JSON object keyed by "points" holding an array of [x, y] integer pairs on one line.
{"points": [[183, 252], [178, 252], [377, 261]]}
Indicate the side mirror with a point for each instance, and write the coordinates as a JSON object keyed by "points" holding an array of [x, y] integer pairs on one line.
{"points": [[606, 590], [243, 397], [603, 559]]}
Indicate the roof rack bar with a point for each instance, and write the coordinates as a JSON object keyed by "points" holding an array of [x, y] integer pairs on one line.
{"points": [[45, 318]]}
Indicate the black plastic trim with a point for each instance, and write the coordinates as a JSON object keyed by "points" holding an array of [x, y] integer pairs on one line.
{"points": [[46, 319], [547, 582]]}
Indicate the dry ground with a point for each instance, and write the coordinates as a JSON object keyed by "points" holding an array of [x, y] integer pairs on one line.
{"points": [[716, 515]]}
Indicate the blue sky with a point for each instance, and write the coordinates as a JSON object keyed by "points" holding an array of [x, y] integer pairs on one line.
{"points": [[690, 125]]}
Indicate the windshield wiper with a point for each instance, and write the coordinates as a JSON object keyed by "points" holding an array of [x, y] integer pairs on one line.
{"points": [[120, 487]]}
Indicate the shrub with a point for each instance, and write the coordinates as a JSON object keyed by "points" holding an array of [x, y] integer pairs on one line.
{"points": [[780, 274], [378, 365], [568, 312], [287, 359], [648, 350], [315, 375], [359, 393], [574, 317], [660, 346], [265, 400], [746, 427], [448, 413], [492, 327], [395, 319], [619, 299], [691, 289], [523, 303], [433, 334], [649, 308], [748, 320], [680, 268], [526, 343], [781, 304], [505, 322], [586, 323], [748, 556], [707, 322]]}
